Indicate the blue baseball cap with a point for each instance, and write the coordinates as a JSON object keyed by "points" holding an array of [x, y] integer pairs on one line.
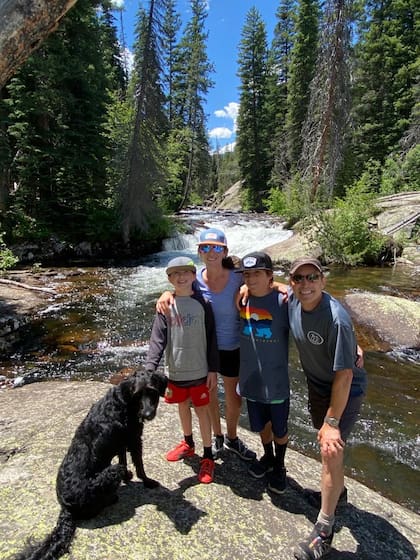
{"points": [[212, 236]]}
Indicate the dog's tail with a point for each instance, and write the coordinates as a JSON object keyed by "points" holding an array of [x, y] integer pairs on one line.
{"points": [[56, 544]]}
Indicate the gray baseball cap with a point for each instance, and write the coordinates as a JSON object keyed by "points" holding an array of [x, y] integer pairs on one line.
{"points": [[180, 263]]}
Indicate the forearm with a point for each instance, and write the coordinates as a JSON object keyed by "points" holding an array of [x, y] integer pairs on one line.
{"points": [[340, 393]]}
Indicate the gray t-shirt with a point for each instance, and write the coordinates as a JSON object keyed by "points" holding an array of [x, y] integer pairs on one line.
{"points": [[326, 343], [264, 337]]}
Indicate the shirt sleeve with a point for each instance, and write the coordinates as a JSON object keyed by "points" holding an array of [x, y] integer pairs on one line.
{"points": [[158, 341], [212, 349]]}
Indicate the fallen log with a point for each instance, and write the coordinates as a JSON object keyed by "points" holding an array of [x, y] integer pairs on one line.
{"points": [[16, 284]]}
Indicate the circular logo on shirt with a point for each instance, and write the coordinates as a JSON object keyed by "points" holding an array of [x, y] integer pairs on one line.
{"points": [[314, 338]]}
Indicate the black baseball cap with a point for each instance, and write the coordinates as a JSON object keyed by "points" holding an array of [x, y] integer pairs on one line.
{"points": [[255, 261]]}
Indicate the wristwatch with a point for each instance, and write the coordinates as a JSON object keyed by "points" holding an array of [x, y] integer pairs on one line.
{"points": [[331, 421]]}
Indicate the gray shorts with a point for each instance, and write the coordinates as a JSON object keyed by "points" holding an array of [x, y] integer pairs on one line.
{"points": [[319, 404]]}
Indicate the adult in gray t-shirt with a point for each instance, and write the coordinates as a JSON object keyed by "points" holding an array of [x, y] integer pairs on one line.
{"points": [[324, 335]]}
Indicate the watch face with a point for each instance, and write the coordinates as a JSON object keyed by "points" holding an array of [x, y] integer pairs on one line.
{"points": [[332, 422]]}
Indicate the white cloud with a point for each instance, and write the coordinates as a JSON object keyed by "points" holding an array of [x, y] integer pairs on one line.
{"points": [[220, 132], [117, 4], [230, 111]]}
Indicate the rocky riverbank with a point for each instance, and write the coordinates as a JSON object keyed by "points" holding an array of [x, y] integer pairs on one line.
{"points": [[233, 518]]}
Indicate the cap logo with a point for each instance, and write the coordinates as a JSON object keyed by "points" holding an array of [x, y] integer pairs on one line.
{"points": [[211, 235], [249, 262]]}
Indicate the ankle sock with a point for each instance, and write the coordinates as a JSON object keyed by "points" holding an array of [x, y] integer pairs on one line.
{"points": [[327, 522], [207, 453], [189, 440]]}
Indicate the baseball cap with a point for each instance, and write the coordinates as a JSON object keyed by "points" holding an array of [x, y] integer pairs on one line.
{"points": [[212, 236], [305, 260], [180, 263], [255, 261]]}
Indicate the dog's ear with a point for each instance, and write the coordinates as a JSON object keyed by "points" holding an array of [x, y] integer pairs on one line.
{"points": [[160, 381]]}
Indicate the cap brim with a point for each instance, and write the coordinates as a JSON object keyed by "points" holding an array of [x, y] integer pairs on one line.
{"points": [[180, 269]]}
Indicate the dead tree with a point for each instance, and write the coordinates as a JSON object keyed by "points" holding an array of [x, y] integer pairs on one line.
{"points": [[24, 24]]}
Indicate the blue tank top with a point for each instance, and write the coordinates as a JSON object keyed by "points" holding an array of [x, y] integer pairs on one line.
{"points": [[224, 309]]}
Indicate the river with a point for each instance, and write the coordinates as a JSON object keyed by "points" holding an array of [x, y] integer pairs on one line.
{"points": [[103, 325]]}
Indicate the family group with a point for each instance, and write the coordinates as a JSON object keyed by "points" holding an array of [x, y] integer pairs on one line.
{"points": [[234, 320]]}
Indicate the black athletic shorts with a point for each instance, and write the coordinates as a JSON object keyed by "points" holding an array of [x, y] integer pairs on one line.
{"points": [[229, 362]]}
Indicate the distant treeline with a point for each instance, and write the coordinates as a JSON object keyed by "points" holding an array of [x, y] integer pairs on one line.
{"points": [[96, 146]]}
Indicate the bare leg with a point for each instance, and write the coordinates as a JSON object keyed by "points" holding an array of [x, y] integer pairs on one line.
{"points": [[185, 417], [233, 404], [214, 412], [332, 482], [203, 414]]}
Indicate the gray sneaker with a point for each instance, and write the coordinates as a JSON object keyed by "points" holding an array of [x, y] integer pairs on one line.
{"points": [[237, 446], [259, 468], [217, 445], [317, 545]]}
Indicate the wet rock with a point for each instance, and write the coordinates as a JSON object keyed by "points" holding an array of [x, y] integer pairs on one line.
{"points": [[395, 320]]}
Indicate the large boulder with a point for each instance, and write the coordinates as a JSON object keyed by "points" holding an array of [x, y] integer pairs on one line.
{"points": [[395, 320], [232, 518]]}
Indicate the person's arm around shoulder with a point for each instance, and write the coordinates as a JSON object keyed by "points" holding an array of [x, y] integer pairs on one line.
{"points": [[329, 436], [164, 303], [241, 298]]}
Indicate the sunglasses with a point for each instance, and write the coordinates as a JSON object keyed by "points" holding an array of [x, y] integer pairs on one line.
{"points": [[298, 278], [208, 248]]}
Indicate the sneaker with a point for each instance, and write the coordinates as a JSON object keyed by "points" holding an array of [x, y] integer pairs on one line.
{"points": [[314, 498], [259, 468], [317, 545], [179, 452], [217, 445], [277, 481], [238, 447], [206, 473]]}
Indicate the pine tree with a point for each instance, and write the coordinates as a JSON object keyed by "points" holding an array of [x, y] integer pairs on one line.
{"points": [[326, 123], [278, 82], [302, 67], [191, 86], [252, 136], [144, 164], [385, 78], [57, 106]]}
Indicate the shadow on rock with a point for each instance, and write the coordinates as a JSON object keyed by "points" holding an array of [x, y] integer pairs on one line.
{"points": [[183, 514]]}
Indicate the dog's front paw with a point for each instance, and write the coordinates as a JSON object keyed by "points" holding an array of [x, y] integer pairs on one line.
{"points": [[127, 476], [150, 483]]}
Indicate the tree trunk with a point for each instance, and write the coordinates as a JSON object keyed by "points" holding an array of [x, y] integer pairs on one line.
{"points": [[24, 24]]}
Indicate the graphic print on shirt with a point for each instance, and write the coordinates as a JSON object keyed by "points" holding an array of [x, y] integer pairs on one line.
{"points": [[257, 322]]}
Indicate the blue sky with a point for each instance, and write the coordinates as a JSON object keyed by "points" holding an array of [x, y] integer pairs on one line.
{"points": [[225, 21]]}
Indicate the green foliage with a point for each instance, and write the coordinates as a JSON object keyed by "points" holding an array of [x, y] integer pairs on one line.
{"points": [[343, 232], [289, 202], [7, 258], [402, 173]]}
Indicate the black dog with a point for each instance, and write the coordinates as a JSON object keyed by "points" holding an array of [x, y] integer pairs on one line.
{"points": [[86, 480]]}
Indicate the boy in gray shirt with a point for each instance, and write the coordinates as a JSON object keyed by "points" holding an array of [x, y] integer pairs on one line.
{"points": [[188, 338]]}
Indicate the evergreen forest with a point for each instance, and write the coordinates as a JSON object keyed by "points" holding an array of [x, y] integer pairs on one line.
{"points": [[93, 148]]}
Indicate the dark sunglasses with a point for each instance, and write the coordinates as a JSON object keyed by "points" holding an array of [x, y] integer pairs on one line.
{"points": [[208, 248], [298, 278]]}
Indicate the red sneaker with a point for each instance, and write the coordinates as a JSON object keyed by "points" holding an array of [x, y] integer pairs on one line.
{"points": [[206, 471], [180, 451]]}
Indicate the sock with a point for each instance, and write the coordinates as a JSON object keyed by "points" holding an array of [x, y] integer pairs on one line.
{"points": [[207, 454], [268, 450], [232, 440], [280, 454], [327, 522], [189, 440]]}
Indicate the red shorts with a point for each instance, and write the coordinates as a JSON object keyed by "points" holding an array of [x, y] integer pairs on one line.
{"points": [[199, 394]]}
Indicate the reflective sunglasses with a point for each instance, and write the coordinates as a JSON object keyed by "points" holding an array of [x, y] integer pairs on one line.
{"points": [[298, 278], [208, 248]]}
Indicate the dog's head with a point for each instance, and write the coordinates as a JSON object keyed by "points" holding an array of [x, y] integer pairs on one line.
{"points": [[143, 390]]}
